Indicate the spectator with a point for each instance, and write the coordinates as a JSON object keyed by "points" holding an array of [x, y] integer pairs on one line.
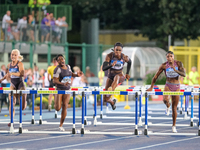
{"points": [[43, 5], [78, 81], [6, 21], [32, 4], [58, 23], [45, 26], [4, 83], [47, 78], [31, 26], [29, 77], [89, 73], [22, 26], [53, 27], [101, 75], [36, 77], [193, 76], [64, 23]]}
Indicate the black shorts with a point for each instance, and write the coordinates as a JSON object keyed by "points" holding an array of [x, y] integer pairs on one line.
{"points": [[112, 75], [51, 84]]}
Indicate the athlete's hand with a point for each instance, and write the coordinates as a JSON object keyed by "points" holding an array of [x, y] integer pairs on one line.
{"points": [[79, 73], [114, 63], [173, 65], [1, 80], [127, 76], [67, 84]]}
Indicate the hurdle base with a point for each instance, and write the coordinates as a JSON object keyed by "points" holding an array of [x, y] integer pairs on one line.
{"points": [[82, 131], [56, 116], [101, 116], [73, 130], [145, 131], [85, 122], [199, 133], [192, 124], [20, 129], [181, 112], [40, 122], [136, 132], [32, 121]]}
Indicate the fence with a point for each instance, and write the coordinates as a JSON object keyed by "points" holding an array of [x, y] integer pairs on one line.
{"points": [[33, 33], [17, 11]]}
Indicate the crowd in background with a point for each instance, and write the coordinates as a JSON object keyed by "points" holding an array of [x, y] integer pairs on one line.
{"points": [[27, 30]]}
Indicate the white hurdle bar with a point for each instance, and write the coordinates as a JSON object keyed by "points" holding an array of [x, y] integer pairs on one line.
{"points": [[146, 132], [12, 130]]}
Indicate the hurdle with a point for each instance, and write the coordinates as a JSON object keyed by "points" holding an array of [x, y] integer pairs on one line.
{"points": [[146, 132], [95, 93], [21, 130]]}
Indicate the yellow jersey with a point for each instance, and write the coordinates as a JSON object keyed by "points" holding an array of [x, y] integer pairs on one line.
{"points": [[50, 70]]}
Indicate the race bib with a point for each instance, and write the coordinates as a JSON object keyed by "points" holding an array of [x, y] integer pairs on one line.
{"points": [[66, 79], [118, 65], [171, 73]]}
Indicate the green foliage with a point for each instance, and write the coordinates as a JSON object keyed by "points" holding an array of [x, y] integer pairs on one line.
{"points": [[160, 81], [78, 101], [156, 19]]}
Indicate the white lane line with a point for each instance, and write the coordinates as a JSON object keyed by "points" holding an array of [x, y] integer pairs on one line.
{"points": [[46, 138], [165, 143], [74, 145]]}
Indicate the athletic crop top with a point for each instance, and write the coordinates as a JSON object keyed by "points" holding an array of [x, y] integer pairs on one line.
{"points": [[15, 69], [169, 71], [120, 62], [64, 76]]}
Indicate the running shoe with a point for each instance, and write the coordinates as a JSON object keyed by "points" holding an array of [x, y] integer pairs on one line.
{"points": [[114, 106], [167, 111], [49, 107], [174, 129], [61, 129]]}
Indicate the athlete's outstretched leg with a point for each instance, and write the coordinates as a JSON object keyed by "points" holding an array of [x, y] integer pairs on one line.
{"points": [[65, 101]]}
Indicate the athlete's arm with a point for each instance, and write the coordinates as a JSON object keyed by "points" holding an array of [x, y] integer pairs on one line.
{"points": [[106, 65], [160, 70], [180, 70], [128, 61], [21, 70]]}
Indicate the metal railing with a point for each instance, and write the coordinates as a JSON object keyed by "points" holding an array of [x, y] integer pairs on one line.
{"points": [[17, 11], [33, 33]]}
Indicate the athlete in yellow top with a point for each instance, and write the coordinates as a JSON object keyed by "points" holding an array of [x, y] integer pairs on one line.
{"points": [[50, 72]]}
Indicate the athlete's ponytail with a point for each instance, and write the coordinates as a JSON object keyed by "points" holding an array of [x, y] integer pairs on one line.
{"points": [[20, 57]]}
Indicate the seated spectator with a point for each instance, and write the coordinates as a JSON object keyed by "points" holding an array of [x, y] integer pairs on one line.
{"points": [[45, 28]]}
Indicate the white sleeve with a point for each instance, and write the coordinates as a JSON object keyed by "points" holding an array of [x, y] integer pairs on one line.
{"points": [[57, 72], [69, 68]]}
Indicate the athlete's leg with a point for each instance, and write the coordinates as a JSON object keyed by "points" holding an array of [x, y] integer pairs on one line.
{"points": [[58, 101], [166, 98], [14, 102], [175, 100], [107, 97], [50, 101], [65, 101], [24, 96]]}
